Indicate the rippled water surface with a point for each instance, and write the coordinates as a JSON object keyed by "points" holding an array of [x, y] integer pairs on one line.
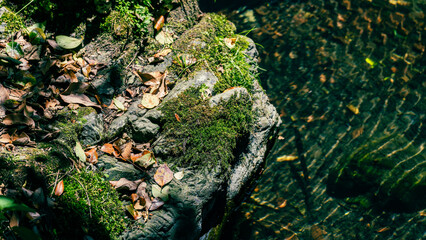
{"points": [[341, 73]]}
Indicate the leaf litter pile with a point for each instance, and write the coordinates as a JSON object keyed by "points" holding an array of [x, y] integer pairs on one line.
{"points": [[41, 74]]}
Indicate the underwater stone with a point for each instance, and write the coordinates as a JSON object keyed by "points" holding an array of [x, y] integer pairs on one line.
{"points": [[390, 172]]}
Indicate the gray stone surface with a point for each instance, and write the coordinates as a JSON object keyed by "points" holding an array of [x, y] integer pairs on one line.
{"points": [[142, 129], [93, 129], [198, 79], [225, 96], [115, 169]]}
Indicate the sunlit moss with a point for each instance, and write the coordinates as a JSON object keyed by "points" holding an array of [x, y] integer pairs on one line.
{"points": [[205, 136]]}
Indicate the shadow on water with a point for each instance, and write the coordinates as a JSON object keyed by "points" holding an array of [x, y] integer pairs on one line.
{"points": [[344, 75]]}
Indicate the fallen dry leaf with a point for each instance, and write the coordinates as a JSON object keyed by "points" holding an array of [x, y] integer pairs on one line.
{"points": [[79, 99], [150, 101], [177, 117], [107, 148], [230, 42], [134, 197], [156, 204], [92, 156], [127, 151], [354, 109], [163, 53], [22, 139], [146, 160], [135, 214], [286, 158], [163, 175], [159, 23], [18, 119], [123, 183], [5, 138], [59, 189]]}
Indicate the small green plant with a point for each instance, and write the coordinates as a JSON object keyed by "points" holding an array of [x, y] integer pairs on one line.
{"points": [[230, 64], [128, 17], [205, 136]]}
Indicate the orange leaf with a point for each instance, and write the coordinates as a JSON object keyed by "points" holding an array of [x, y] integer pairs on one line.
{"points": [[383, 229], [92, 156], [134, 156], [107, 148], [59, 189], [159, 23], [134, 197], [163, 175], [177, 117], [283, 204]]}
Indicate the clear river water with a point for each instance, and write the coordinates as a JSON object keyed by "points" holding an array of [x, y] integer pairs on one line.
{"points": [[341, 73]]}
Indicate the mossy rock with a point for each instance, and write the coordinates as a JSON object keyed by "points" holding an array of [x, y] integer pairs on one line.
{"points": [[205, 43], [89, 206], [386, 173], [205, 135]]}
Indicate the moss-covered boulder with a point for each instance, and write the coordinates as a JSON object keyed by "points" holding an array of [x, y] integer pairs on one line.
{"points": [[385, 173]]}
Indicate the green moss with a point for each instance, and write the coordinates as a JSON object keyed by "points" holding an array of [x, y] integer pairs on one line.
{"points": [[89, 206], [34, 166], [206, 43], [70, 123], [205, 136]]}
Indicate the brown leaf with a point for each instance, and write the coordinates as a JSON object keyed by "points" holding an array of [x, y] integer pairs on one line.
{"points": [[162, 90], [4, 94], [159, 23], [152, 78], [18, 119], [5, 138], [135, 214], [86, 70], [163, 175], [59, 189], [79, 99], [107, 148], [92, 156], [51, 103], [124, 184], [139, 205], [156, 204], [141, 191], [22, 139], [14, 220], [150, 100], [127, 151], [163, 53]]}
